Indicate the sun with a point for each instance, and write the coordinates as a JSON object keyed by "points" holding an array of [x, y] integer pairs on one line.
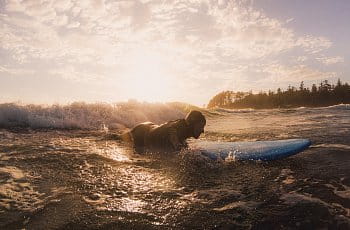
{"points": [[147, 76]]}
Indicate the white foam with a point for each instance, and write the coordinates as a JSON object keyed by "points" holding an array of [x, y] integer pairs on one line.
{"points": [[90, 116], [344, 193], [225, 110], [248, 205], [338, 146], [340, 106]]}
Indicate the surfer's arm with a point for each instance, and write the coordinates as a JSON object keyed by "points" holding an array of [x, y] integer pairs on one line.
{"points": [[174, 140]]}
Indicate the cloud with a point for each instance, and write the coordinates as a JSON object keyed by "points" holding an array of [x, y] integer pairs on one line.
{"points": [[15, 71], [330, 60], [70, 73], [282, 73], [313, 44], [290, 20], [302, 58], [60, 20], [206, 40], [73, 25], [220, 29]]}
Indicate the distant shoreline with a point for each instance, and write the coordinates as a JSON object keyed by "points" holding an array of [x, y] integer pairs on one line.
{"points": [[325, 94], [285, 107]]}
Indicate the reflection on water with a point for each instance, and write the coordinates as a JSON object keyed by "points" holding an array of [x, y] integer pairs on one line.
{"points": [[106, 185], [116, 153]]}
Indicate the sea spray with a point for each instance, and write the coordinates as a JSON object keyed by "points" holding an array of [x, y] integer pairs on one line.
{"points": [[80, 115]]}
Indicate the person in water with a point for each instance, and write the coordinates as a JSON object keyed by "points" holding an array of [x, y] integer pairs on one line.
{"points": [[168, 136]]}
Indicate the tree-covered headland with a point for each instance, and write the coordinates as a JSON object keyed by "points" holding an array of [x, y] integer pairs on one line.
{"points": [[325, 94]]}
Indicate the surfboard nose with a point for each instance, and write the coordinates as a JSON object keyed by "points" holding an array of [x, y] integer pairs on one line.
{"points": [[307, 142], [258, 150]]}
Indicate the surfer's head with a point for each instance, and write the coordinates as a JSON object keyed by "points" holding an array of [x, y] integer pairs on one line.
{"points": [[196, 122]]}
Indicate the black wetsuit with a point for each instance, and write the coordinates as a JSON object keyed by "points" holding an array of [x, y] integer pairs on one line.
{"points": [[171, 135]]}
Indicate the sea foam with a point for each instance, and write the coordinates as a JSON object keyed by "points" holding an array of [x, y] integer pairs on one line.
{"points": [[82, 115]]}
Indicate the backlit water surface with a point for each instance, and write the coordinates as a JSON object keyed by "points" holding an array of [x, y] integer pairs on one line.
{"points": [[55, 179]]}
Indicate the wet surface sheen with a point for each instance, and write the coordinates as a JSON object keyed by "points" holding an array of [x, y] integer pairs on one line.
{"points": [[77, 179]]}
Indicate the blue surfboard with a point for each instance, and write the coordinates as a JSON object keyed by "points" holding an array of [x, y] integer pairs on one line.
{"points": [[257, 150]]}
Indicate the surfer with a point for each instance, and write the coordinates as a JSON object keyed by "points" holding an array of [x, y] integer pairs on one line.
{"points": [[168, 136]]}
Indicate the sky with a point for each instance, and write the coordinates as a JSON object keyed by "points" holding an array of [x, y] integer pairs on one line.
{"points": [[61, 51]]}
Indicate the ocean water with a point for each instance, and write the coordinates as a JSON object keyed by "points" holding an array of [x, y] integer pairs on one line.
{"points": [[83, 179]]}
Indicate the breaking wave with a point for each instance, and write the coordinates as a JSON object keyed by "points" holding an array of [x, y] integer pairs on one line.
{"points": [[340, 106], [80, 115], [224, 110]]}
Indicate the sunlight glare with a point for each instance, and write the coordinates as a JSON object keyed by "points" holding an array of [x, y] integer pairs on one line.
{"points": [[148, 76]]}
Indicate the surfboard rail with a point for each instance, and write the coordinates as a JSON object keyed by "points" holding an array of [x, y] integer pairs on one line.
{"points": [[257, 150]]}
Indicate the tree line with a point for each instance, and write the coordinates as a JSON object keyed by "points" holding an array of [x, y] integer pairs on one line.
{"points": [[324, 94]]}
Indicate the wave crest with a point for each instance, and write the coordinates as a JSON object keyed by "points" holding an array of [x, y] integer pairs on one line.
{"points": [[82, 115]]}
